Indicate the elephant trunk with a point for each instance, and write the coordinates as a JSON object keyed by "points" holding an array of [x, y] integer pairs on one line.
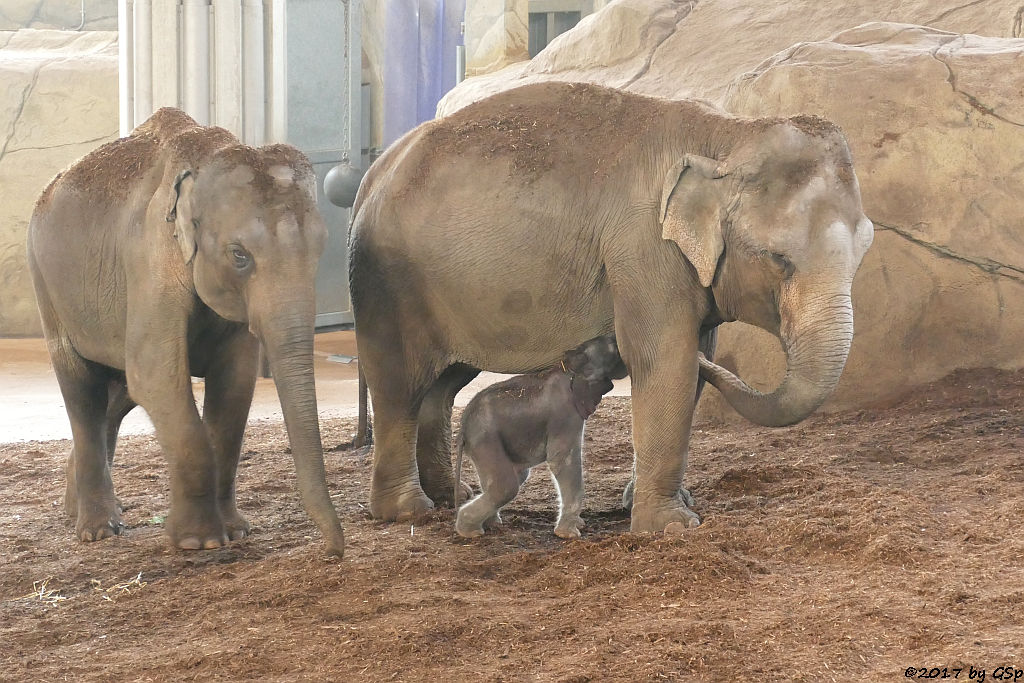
{"points": [[816, 350], [288, 339]]}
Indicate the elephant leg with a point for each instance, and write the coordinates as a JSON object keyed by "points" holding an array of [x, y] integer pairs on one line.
{"points": [[663, 366], [230, 383], [500, 481], [119, 404], [706, 344], [566, 464], [395, 490], [157, 371], [90, 498], [434, 435]]}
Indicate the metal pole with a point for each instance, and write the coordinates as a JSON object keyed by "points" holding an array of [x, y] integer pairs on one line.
{"points": [[125, 70], [196, 58], [254, 114]]}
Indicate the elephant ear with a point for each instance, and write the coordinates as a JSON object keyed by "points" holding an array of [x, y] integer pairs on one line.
{"points": [[692, 212], [578, 362], [180, 213]]}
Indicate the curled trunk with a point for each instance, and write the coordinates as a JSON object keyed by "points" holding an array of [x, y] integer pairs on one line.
{"points": [[816, 352], [288, 338]]}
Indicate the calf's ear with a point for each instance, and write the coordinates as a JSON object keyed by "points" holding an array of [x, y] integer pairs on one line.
{"points": [[577, 362]]}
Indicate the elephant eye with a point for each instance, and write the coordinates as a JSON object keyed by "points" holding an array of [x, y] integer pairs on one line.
{"points": [[240, 257], [781, 263]]}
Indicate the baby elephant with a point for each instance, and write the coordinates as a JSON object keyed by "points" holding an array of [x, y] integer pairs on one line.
{"points": [[514, 425]]}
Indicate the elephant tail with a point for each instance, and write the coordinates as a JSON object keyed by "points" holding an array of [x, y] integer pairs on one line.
{"points": [[364, 430], [457, 487]]}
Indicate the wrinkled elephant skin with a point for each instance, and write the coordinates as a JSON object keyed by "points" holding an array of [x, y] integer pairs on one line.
{"points": [[526, 223], [167, 254]]}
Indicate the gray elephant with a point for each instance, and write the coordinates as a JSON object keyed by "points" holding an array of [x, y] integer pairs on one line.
{"points": [[169, 253], [549, 214], [512, 426]]}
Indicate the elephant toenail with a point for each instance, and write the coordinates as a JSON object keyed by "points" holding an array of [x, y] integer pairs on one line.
{"points": [[676, 528], [190, 543]]}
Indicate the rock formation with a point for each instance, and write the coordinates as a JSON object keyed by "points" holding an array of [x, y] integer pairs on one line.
{"points": [[58, 101]]}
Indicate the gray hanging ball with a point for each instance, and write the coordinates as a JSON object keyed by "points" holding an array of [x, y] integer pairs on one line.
{"points": [[341, 184]]}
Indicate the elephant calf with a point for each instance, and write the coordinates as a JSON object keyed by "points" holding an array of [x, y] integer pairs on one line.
{"points": [[514, 425]]}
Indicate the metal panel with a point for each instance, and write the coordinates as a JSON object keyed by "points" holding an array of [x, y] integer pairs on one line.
{"points": [[321, 122], [332, 300]]}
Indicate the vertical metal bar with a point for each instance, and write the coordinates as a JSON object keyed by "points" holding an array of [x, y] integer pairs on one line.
{"points": [[227, 65], [165, 53], [254, 115], [142, 34], [277, 57], [196, 62], [125, 67], [354, 62]]}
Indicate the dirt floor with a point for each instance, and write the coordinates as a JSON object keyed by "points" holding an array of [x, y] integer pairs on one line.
{"points": [[849, 547]]}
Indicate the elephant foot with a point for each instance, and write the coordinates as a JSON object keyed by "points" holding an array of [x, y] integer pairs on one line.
{"points": [[468, 523], [467, 531], [96, 515], [467, 527], [465, 493], [567, 531], [627, 496], [668, 515], [399, 507], [196, 530], [440, 488], [236, 526], [97, 526]]}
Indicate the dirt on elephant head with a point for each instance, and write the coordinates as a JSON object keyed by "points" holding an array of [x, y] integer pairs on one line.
{"points": [[194, 146], [539, 127], [269, 187], [165, 123], [113, 169], [814, 125]]}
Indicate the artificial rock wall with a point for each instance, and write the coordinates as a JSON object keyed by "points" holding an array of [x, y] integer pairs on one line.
{"points": [[58, 101], [68, 15], [934, 116]]}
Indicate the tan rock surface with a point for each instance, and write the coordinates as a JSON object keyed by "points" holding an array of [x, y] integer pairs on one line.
{"points": [[98, 15], [58, 101], [696, 49]]}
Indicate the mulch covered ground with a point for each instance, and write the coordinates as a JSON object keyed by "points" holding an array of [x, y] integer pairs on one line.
{"points": [[849, 547]]}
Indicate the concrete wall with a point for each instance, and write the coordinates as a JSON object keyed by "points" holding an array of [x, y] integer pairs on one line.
{"points": [[58, 101]]}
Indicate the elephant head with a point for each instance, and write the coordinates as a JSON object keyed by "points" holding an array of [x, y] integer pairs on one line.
{"points": [[249, 232], [775, 228]]}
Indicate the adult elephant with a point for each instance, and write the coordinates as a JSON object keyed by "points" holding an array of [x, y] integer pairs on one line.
{"points": [[169, 253], [529, 222]]}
